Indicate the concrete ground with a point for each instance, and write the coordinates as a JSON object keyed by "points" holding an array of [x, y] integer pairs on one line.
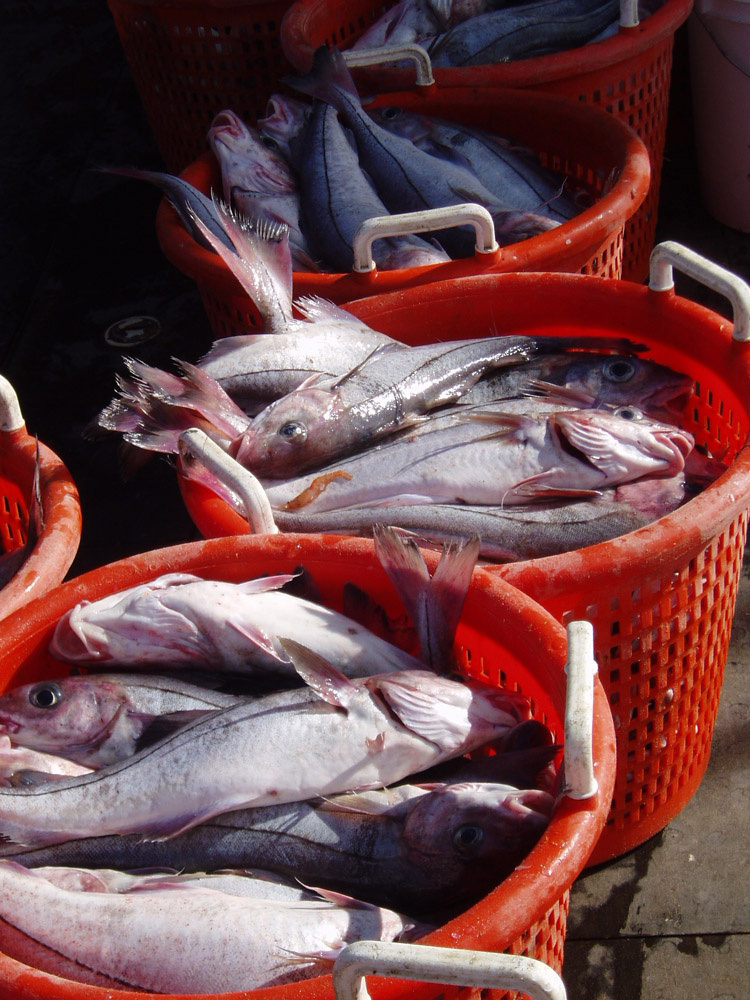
{"points": [[668, 921]]}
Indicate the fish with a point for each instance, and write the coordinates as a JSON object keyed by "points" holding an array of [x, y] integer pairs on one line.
{"points": [[255, 369], [506, 534], [514, 174], [591, 379], [332, 735], [187, 201], [21, 765], [338, 197], [283, 120], [404, 846], [323, 419], [179, 619], [176, 937], [492, 457], [407, 178], [97, 719], [523, 31], [258, 181]]}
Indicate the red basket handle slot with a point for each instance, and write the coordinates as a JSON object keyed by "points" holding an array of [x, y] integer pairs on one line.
{"points": [[668, 255], [11, 418], [452, 966], [467, 213]]}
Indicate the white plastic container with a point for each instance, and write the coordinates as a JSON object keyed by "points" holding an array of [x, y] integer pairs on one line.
{"points": [[719, 39]]}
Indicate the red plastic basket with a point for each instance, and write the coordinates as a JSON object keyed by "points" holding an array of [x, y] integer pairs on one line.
{"points": [[580, 141], [504, 638], [190, 59], [627, 75], [50, 559], [662, 598]]}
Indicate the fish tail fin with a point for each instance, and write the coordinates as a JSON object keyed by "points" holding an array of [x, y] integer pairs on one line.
{"points": [[261, 262], [329, 73], [154, 407], [433, 604]]}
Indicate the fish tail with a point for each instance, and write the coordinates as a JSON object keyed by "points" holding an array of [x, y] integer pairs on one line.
{"points": [[262, 262], [154, 407], [328, 76], [433, 604]]}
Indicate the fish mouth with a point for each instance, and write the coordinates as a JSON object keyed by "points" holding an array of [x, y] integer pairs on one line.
{"points": [[531, 802], [9, 725], [228, 122], [672, 401]]}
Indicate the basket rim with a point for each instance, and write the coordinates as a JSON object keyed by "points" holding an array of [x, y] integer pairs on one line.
{"points": [[537, 70], [57, 545], [561, 853], [588, 228]]}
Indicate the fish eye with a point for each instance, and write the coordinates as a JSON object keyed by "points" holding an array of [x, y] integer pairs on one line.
{"points": [[293, 431], [619, 370], [268, 142], [467, 838], [391, 113], [628, 413], [45, 695]]}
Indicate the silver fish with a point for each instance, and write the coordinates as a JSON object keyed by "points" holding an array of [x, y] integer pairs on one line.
{"points": [[97, 719], [196, 940], [256, 369], [492, 457], [180, 619], [325, 418], [331, 736], [258, 181], [406, 178], [522, 31], [413, 847], [338, 197], [514, 174]]}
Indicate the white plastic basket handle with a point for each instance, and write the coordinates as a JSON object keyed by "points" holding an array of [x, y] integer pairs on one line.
{"points": [[629, 14], [394, 53], [451, 966], [11, 418], [666, 256], [581, 669], [467, 213], [196, 444]]}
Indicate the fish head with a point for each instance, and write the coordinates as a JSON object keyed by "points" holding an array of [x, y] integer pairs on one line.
{"points": [[284, 118], [620, 380], [477, 822], [623, 444], [292, 433], [401, 122], [54, 715], [131, 626], [249, 161]]}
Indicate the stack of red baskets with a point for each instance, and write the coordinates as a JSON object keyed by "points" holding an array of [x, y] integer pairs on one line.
{"points": [[504, 638], [628, 75]]}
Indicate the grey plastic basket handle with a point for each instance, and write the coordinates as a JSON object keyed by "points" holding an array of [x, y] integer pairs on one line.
{"points": [[666, 256], [581, 669], [451, 966], [629, 14], [467, 213], [196, 444], [11, 418], [394, 53]]}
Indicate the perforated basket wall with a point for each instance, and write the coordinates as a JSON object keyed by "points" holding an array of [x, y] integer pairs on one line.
{"points": [[193, 58], [627, 75], [503, 637]]}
